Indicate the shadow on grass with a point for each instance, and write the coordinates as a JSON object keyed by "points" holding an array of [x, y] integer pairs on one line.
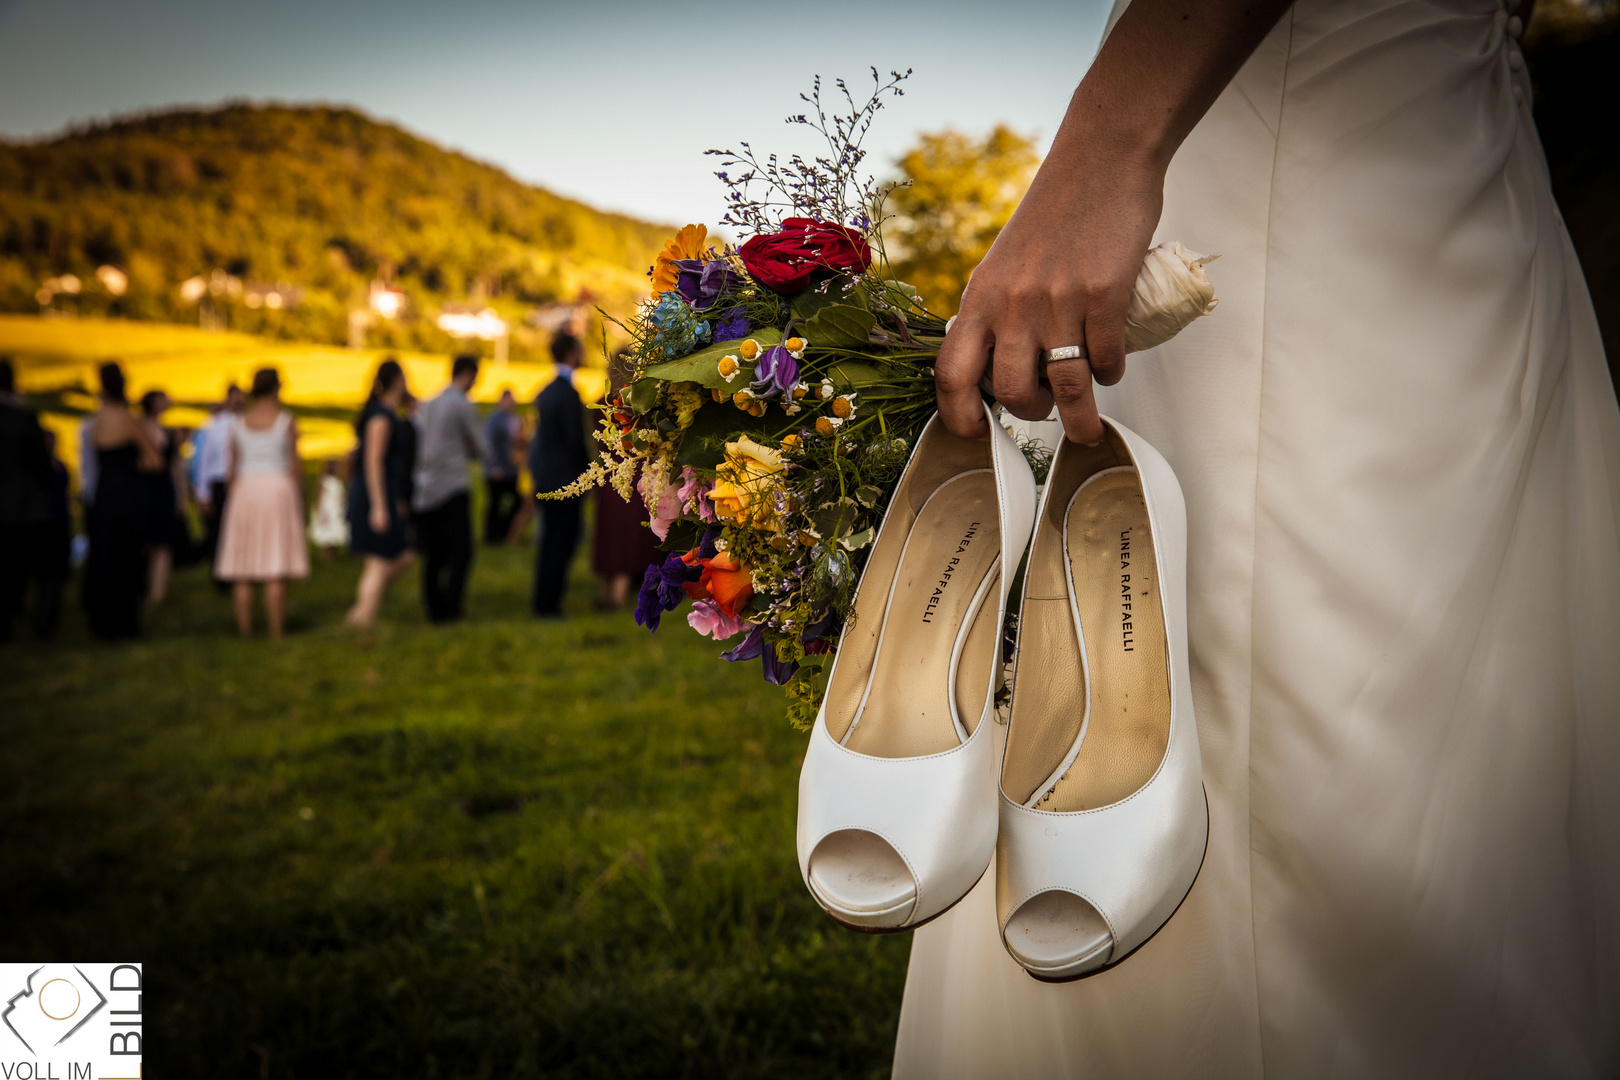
{"points": [[502, 848]]}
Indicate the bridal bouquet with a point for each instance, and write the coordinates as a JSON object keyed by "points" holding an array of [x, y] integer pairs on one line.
{"points": [[772, 393]]}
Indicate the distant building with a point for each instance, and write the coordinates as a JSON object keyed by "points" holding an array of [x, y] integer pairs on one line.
{"points": [[459, 321]]}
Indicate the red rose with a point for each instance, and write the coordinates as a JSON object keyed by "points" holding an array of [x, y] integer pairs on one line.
{"points": [[784, 261]]}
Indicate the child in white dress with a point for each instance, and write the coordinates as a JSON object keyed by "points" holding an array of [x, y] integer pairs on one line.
{"points": [[329, 525]]}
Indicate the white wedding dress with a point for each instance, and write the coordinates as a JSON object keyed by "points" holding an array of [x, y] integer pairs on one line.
{"points": [[1401, 456]]}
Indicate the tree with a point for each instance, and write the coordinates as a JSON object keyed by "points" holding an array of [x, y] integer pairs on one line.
{"points": [[957, 194]]}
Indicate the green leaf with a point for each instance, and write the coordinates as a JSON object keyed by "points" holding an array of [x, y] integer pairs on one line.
{"points": [[641, 395], [840, 326], [836, 520], [702, 367], [900, 294], [859, 540], [839, 289], [703, 446], [869, 495], [847, 375]]}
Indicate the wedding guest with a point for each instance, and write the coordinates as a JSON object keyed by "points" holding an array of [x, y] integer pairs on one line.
{"points": [[261, 539], [53, 565], [87, 460], [501, 500], [521, 445], [556, 458], [409, 436], [622, 546], [25, 478], [165, 526], [379, 499], [212, 457], [449, 440], [329, 525], [115, 573]]}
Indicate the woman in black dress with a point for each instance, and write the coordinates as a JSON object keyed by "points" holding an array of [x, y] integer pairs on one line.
{"points": [[115, 573], [379, 499], [165, 527]]}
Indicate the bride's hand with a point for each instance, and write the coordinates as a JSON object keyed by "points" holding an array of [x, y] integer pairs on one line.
{"points": [[1060, 273], [1062, 270]]}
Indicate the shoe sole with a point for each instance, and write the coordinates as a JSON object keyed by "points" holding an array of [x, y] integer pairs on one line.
{"points": [[912, 926], [1111, 965]]}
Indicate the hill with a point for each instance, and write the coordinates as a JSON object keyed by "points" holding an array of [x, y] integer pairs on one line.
{"points": [[318, 201]]}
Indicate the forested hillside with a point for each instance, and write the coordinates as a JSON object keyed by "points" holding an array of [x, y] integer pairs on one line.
{"points": [[323, 201]]}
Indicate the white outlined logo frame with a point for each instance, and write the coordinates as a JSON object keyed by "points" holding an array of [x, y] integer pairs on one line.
{"points": [[71, 1021]]}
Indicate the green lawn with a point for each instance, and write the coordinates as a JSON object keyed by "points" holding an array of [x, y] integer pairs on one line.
{"points": [[503, 848]]}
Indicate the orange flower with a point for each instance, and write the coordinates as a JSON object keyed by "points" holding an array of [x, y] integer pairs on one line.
{"points": [[687, 244], [728, 582]]}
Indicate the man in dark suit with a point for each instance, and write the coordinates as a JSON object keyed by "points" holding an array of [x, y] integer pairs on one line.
{"points": [[556, 458]]}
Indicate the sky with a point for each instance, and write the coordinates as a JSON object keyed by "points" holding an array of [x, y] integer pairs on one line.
{"points": [[608, 101]]}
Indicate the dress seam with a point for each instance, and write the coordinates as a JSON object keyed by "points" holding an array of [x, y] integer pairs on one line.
{"points": [[1254, 536]]}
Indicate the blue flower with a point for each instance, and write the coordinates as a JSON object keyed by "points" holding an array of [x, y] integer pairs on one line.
{"points": [[679, 331], [733, 326]]}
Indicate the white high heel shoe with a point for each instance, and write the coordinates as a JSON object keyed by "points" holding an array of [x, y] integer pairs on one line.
{"points": [[1103, 819], [897, 798]]}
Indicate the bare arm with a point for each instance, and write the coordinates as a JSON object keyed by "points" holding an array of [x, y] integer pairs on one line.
{"points": [[1061, 272], [377, 435], [149, 456]]}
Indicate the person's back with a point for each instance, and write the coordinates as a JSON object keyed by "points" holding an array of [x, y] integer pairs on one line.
{"points": [[448, 440], [556, 459], [559, 453], [260, 450]]}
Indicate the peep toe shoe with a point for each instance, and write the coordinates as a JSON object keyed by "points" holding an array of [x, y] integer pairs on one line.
{"points": [[1104, 823], [897, 797]]}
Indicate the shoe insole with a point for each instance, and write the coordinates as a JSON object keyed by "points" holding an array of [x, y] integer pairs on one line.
{"points": [[1092, 558], [944, 580], [1114, 579]]}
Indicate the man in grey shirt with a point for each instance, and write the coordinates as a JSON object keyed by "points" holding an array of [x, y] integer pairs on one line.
{"points": [[449, 439]]}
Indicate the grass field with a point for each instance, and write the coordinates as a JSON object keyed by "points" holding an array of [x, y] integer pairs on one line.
{"points": [[502, 848]]}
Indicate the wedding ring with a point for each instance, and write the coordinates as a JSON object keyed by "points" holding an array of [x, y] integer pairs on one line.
{"points": [[1067, 352]]}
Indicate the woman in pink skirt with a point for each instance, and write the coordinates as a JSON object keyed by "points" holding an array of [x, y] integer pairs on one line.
{"points": [[262, 537]]}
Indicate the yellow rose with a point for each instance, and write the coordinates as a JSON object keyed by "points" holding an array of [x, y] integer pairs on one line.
{"points": [[746, 484]]}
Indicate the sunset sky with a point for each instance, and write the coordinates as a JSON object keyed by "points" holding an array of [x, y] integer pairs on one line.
{"points": [[612, 101]]}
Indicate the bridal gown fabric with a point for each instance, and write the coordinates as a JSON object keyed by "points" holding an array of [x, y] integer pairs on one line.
{"points": [[1401, 457]]}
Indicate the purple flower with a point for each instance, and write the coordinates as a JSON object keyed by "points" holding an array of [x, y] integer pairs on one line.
{"points": [[778, 672], [661, 589], [700, 283], [776, 372], [754, 645], [751, 646], [732, 326]]}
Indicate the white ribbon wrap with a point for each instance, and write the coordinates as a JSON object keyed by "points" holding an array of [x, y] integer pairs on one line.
{"points": [[1171, 291]]}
